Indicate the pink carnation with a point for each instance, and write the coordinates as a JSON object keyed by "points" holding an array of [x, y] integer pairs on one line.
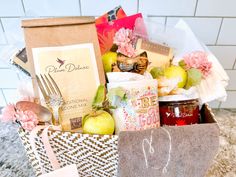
{"points": [[28, 119], [127, 50], [124, 39], [8, 113], [199, 61], [28, 125]]}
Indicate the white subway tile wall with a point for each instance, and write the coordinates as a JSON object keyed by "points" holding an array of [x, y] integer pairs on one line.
{"points": [[159, 20], [225, 54], [227, 33], [2, 37], [167, 7], [92, 7], [232, 82], [10, 95], [216, 8], [13, 30], [8, 79], [3, 64], [206, 29], [11, 8], [230, 103], [214, 22], [2, 99], [51, 7]]}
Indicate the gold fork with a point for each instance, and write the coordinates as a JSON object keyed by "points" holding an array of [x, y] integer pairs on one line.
{"points": [[52, 95]]}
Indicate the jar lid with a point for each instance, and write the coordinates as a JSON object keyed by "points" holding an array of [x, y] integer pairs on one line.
{"points": [[178, 97]]}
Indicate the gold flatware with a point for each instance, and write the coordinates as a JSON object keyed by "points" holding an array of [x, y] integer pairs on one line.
{"points": [[52, 95]]}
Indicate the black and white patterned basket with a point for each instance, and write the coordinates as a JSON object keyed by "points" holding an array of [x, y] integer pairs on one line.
{"points": [[94, 155]]}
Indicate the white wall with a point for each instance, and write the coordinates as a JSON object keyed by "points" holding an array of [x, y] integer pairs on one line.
{"points": [[213, 21]]}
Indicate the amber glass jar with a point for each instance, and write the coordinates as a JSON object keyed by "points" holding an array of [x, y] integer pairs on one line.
{"points": [[179, 112]]}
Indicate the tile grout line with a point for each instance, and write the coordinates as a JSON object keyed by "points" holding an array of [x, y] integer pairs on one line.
{"points": [[11, 16], [9, 88], [165, 21], [2, 25], [3, 29], [217, 38], [227, 69], [195, 11], [234, 63], [5, 68], [189, 16], [3, 96], [222, 45], [80, 8], [177, 16], [137, 6], [23, 5], [172, 16]]}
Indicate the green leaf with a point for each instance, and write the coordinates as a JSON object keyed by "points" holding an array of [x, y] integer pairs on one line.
{"points": [[157, 72], [182, 64], [99, 97], [194, 77], [116, 92]]}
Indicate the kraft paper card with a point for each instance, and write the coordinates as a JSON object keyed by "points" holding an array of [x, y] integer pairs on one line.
{"points": [[51, 32], [75, 71]]}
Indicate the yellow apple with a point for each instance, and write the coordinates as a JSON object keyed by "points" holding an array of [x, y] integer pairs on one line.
{"points": [[108, 59], [176, 72], [99, 122]]}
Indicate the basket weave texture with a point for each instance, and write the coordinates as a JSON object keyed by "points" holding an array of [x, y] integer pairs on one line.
{"points": [[94, 155]]}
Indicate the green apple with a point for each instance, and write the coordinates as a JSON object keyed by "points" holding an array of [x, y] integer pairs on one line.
{"points": [[108, 59], [156, 72], [98, 122], [176, 72]]}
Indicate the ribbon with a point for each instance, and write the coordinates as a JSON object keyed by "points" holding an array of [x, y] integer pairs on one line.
{"points": [[50, 154]]}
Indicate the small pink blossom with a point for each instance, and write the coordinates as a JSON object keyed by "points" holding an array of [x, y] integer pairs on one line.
{"points": [[8, 113], [28, 119], [199, 61], [127, 50], [124, 39], [28, 125]]}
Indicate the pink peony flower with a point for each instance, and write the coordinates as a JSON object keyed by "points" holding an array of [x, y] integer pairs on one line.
{"points": [[8, 113], [28, 119], [199, 61], [124, 39]]}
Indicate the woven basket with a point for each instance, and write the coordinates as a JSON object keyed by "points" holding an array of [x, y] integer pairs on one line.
{"points": [[94, 155], [97, 155]]}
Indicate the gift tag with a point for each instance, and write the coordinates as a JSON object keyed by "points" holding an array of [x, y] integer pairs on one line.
{"points": [[69, 170]]}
